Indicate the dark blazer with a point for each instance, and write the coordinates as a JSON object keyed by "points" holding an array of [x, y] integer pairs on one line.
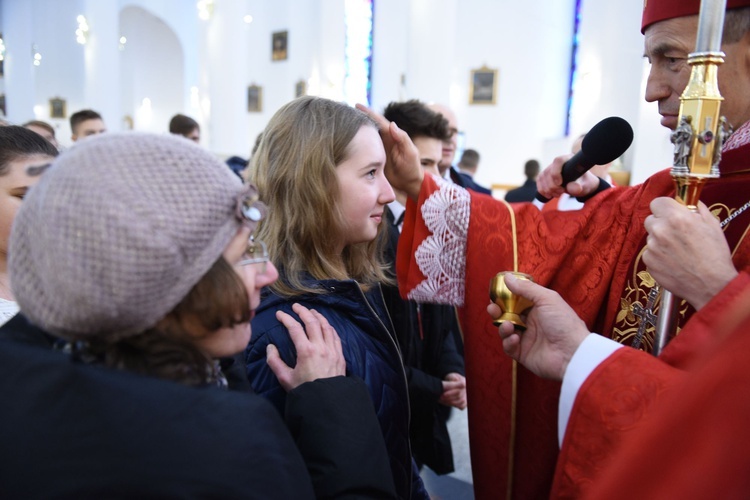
{"points": [[466, 181], [74, 430], [427, 335], [527, 192]]}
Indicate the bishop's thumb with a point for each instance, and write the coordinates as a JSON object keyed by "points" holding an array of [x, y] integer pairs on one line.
{"points": [[523, 287]]}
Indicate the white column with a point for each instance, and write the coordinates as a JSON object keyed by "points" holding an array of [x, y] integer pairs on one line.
{"points": [[224, 78]]}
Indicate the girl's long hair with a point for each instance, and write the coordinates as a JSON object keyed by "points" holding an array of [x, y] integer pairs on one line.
{"points": [[294, 168]]}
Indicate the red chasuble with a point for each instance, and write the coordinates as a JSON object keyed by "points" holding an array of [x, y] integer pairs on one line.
{"points": [[626, 392], [692, 440], [453, 242]]}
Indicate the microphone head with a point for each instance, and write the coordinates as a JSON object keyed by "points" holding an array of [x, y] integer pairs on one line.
{"points": [[607, 140]]}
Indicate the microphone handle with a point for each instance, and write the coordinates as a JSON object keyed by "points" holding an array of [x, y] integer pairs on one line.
{"points": [[572, 169]]}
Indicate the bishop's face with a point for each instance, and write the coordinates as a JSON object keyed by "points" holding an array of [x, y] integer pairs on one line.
{"points": [[667, 46]]}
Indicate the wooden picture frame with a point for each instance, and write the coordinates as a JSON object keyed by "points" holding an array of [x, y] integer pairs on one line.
{"points": [[483, 86], [58, 108], [279, 44], [254, 99], [300, 88]]}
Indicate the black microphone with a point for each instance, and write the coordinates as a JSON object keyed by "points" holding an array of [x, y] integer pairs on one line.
{"points": [[604, 143]]}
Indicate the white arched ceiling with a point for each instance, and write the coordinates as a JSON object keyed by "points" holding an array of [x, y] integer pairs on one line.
{"points": [[152, 70]]}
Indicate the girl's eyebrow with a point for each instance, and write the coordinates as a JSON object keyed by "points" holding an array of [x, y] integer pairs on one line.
{"points": [[373, 164]]}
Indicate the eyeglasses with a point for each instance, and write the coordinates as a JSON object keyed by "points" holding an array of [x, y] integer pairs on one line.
{"points": [[256, 253]]}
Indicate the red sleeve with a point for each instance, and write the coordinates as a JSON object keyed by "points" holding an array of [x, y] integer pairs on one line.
{"points": [[696, 442], [699, 331], [611, 403], [413, 232]]}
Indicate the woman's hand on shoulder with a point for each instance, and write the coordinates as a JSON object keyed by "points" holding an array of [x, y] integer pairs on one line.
{"points": [[319, 353]]}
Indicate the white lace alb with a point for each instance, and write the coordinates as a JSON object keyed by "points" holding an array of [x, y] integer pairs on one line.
{"points": [[442, 256]]}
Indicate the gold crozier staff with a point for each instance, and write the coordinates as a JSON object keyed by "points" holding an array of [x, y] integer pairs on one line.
{"points": [[699, 135]]}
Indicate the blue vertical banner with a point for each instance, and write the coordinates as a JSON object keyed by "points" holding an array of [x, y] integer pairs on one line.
{"points": [[358, 18], [573, 64]]}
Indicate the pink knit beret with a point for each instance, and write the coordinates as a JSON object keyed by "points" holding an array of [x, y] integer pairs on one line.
{"points": [[119, 230]]}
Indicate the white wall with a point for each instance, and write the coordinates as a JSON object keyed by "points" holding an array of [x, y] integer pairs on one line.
{"points": [[152, 50], [434, 44], [423, 49]]}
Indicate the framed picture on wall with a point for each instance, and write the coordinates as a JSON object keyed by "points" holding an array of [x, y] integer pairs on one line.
{"points": [[57, 108], [483, 88], [300, 88], [254, 99], [279, 41]]}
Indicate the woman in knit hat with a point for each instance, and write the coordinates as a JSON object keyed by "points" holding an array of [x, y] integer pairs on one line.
{"points": [[135, 267], [23, 157], [319, 167]]}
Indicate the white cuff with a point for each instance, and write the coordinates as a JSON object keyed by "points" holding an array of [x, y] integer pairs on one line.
{"points": [[593, 350]]}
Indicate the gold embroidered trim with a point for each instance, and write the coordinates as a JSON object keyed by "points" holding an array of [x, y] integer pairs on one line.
{"points": [[514, 369], [513, 234]]}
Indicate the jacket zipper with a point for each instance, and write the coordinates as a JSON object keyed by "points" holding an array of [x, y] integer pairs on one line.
{"points": [[401, 363]]}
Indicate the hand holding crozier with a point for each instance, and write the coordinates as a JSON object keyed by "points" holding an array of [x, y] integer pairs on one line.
{"points": [[553, 330]]}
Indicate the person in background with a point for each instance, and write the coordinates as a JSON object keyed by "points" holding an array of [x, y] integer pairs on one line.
{"points": [[24, 155], [450, 146], [468, 166], [136, 269], [186, 127], [527, 191], [319, 167], [427, 333], [86, 123], [44, 129], [469, 162]]}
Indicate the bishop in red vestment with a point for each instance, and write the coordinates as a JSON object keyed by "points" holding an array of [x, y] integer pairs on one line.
{"points": [[454, 242]]}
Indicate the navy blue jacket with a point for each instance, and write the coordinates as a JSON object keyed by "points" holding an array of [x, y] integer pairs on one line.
{"points": [[371, 353]]}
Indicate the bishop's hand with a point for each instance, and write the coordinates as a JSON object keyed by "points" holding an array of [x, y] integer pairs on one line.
{"points": [[686, 251], [553, 330]]}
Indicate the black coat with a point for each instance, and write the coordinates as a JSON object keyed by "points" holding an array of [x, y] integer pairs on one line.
{"points": [[527, 192], [466, 181], [428, 336], [73, 430]]}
